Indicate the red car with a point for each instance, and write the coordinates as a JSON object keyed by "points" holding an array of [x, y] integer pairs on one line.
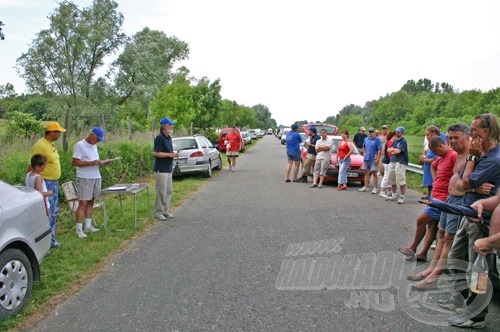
{"points": [[354, 172]]}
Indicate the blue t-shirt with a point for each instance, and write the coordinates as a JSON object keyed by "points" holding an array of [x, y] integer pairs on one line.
{"points": [[372, 146], [293, 141], [163, 143], [486, 170], [312, 147], [403, 156], [427, 179]]}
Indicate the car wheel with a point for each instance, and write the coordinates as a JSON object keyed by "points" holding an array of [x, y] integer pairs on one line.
{"points": [[219, 167], [16, 282], [208, 172]]}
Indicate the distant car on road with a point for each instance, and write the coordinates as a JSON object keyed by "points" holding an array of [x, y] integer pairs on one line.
{"points": [[196, 154], [354, 172], [24, 242], [284, 131], [252, 133]]}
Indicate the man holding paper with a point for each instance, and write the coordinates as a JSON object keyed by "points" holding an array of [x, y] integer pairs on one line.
{"points": [[88, 179]]}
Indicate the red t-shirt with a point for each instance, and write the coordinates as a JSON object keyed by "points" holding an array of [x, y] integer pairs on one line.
{"points": [[444, 166], [234, 141]]}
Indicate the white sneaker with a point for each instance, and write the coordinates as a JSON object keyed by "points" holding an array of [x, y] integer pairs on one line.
{"points": [[232, 169], [401, 200], [374, 191], [161, 217], [365, 188], [391, 198], [91, 229], [81, 234], [168, 215], [383, 194]]}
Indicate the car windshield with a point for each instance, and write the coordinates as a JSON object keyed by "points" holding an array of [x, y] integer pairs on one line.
{"points": [[330, 130], [184, 144]]}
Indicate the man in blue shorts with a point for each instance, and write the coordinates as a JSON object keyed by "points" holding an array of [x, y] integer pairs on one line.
{"points": [[293, 141], [372, 150]]}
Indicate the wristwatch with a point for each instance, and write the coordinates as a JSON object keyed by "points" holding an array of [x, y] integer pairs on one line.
{"points": [[472, 158]]}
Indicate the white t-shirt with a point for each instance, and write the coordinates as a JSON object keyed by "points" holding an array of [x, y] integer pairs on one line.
{"points": [[324, 154], [86, 152], [30, 182]]}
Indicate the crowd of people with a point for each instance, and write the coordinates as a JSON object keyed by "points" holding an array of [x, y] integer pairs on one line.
{"points": [[461, 167], [44, 171]]}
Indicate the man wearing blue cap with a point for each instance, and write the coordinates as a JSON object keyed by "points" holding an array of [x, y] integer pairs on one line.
{"points": [[88, 179], [164, 154], [397, 167]]}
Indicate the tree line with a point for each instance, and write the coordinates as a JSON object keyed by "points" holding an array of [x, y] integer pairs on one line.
{"points": [[417, 105], [61, 70]]}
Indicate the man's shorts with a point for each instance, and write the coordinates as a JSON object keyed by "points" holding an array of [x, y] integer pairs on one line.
{"points": [[449, 222], [293, 156], [321, 166], [231, 153], [369, 164], [397, 174], [88, 188], [433, 213]]}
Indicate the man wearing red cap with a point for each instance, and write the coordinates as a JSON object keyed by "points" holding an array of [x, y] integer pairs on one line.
{"points": [[52, 172]]}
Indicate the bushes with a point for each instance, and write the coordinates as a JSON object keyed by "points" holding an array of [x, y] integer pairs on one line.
{"points": [[136, 161]]}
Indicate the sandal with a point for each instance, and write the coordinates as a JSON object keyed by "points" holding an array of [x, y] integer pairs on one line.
{"points": [[425, 286], [407, 252], [416, 277]]}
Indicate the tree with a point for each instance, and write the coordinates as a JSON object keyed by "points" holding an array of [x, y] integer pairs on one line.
{"points": [[64, 58], [145, 65], [263, 116], [206, 100]]}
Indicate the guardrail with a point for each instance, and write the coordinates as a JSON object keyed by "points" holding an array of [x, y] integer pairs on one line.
{"points": [[414, 168]]}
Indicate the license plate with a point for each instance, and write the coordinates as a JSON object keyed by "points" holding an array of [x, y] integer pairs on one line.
{"points": [[181, 160], [352, 175]]}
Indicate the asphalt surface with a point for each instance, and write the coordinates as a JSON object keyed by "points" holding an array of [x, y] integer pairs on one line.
{"points": [[225, 263]]}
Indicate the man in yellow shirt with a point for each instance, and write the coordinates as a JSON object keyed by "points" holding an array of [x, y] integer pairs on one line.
{"points": [[52, 172]]}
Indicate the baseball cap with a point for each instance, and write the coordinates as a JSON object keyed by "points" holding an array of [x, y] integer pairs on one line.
{"points": [[384, 127], [295, 126], [400, 129], [54, 126], [313, 129], [99, 132], [362, 128], [371, 129], [165, 121]]}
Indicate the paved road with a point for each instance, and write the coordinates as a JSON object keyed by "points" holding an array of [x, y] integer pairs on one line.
{"points": [[227, 262]]}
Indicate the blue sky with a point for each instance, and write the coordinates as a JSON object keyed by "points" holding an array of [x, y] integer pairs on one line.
{"points": [[305, 60]]}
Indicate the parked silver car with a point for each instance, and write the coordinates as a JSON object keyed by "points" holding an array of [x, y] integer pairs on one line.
{"points": [[24, 241], [196, 154], [246, 137]]}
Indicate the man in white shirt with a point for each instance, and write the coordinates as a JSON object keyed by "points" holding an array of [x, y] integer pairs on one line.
{"points": [[324, 152], [88, 179]]}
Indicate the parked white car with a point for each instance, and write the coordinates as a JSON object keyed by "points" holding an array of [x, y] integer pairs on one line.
{"points": [[246, 137], [196, 154], [24, 242]]}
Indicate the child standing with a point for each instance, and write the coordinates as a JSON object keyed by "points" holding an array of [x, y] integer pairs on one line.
{"points": [[35, 180]]}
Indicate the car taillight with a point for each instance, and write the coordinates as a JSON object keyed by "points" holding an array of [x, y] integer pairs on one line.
{"points": [[196, 154]]}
